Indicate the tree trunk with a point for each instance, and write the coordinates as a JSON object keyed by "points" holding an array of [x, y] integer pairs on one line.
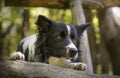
{"points": [[78, 18], [1, 49], [104, 57], [1, 33], [22, 69], [110, 29], [25, 25], [92, 39]]}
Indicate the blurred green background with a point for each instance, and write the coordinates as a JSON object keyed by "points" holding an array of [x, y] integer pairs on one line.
{"points": [[19, 22]]}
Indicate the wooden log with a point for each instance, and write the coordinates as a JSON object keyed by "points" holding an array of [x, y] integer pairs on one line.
{"points": [[91, 4], [79, 18], [22, 69]]}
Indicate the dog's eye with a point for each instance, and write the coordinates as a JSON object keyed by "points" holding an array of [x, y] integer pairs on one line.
{"points": [[59, 37], [72, 36], [74, 40]]}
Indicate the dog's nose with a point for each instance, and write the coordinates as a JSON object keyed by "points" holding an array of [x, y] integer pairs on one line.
{"points": [[72, 52]]}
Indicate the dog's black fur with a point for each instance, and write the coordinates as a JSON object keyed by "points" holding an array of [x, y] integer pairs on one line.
{"points": [[53, 39]]}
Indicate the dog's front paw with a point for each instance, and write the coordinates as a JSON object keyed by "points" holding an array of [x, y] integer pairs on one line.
{"points": [[17, 56], [78, 66]]}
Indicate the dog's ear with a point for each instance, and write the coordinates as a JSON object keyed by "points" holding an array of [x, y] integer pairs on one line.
{"points": [[83, 27], [43, 23]]}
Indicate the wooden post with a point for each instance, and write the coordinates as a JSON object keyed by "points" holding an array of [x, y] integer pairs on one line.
{"points": [[79, 18]]}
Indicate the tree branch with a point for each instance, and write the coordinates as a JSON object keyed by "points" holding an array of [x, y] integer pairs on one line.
{"points": [[91, 4]]}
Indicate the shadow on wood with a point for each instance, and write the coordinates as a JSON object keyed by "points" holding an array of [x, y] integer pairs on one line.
{"points": [[22, 69]]}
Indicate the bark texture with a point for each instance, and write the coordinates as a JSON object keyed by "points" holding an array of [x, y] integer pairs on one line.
{"points": [[92, 39], [22, 69], [94, 4]]}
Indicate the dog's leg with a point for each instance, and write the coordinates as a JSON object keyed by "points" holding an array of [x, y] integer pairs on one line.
{"points": [[76, 65], [17, 56]]}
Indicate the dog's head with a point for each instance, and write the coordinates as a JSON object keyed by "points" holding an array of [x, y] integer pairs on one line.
{"points": [[59, 39]]}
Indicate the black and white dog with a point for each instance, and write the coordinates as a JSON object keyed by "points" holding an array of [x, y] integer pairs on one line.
{"points": [[53, 39]]}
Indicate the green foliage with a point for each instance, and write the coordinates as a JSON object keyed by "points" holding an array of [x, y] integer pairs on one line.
{"points": [[96, 26], [60, 15]]}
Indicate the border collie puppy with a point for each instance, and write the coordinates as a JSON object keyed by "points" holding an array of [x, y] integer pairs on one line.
{"points": [[52, 40]]}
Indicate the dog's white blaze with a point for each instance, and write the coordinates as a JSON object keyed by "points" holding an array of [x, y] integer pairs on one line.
{"points": [[69, 29], [71, 45]]}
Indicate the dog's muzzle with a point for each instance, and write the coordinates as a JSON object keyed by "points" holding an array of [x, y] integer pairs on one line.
{"points": [[71, 50], [71, 53]]}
